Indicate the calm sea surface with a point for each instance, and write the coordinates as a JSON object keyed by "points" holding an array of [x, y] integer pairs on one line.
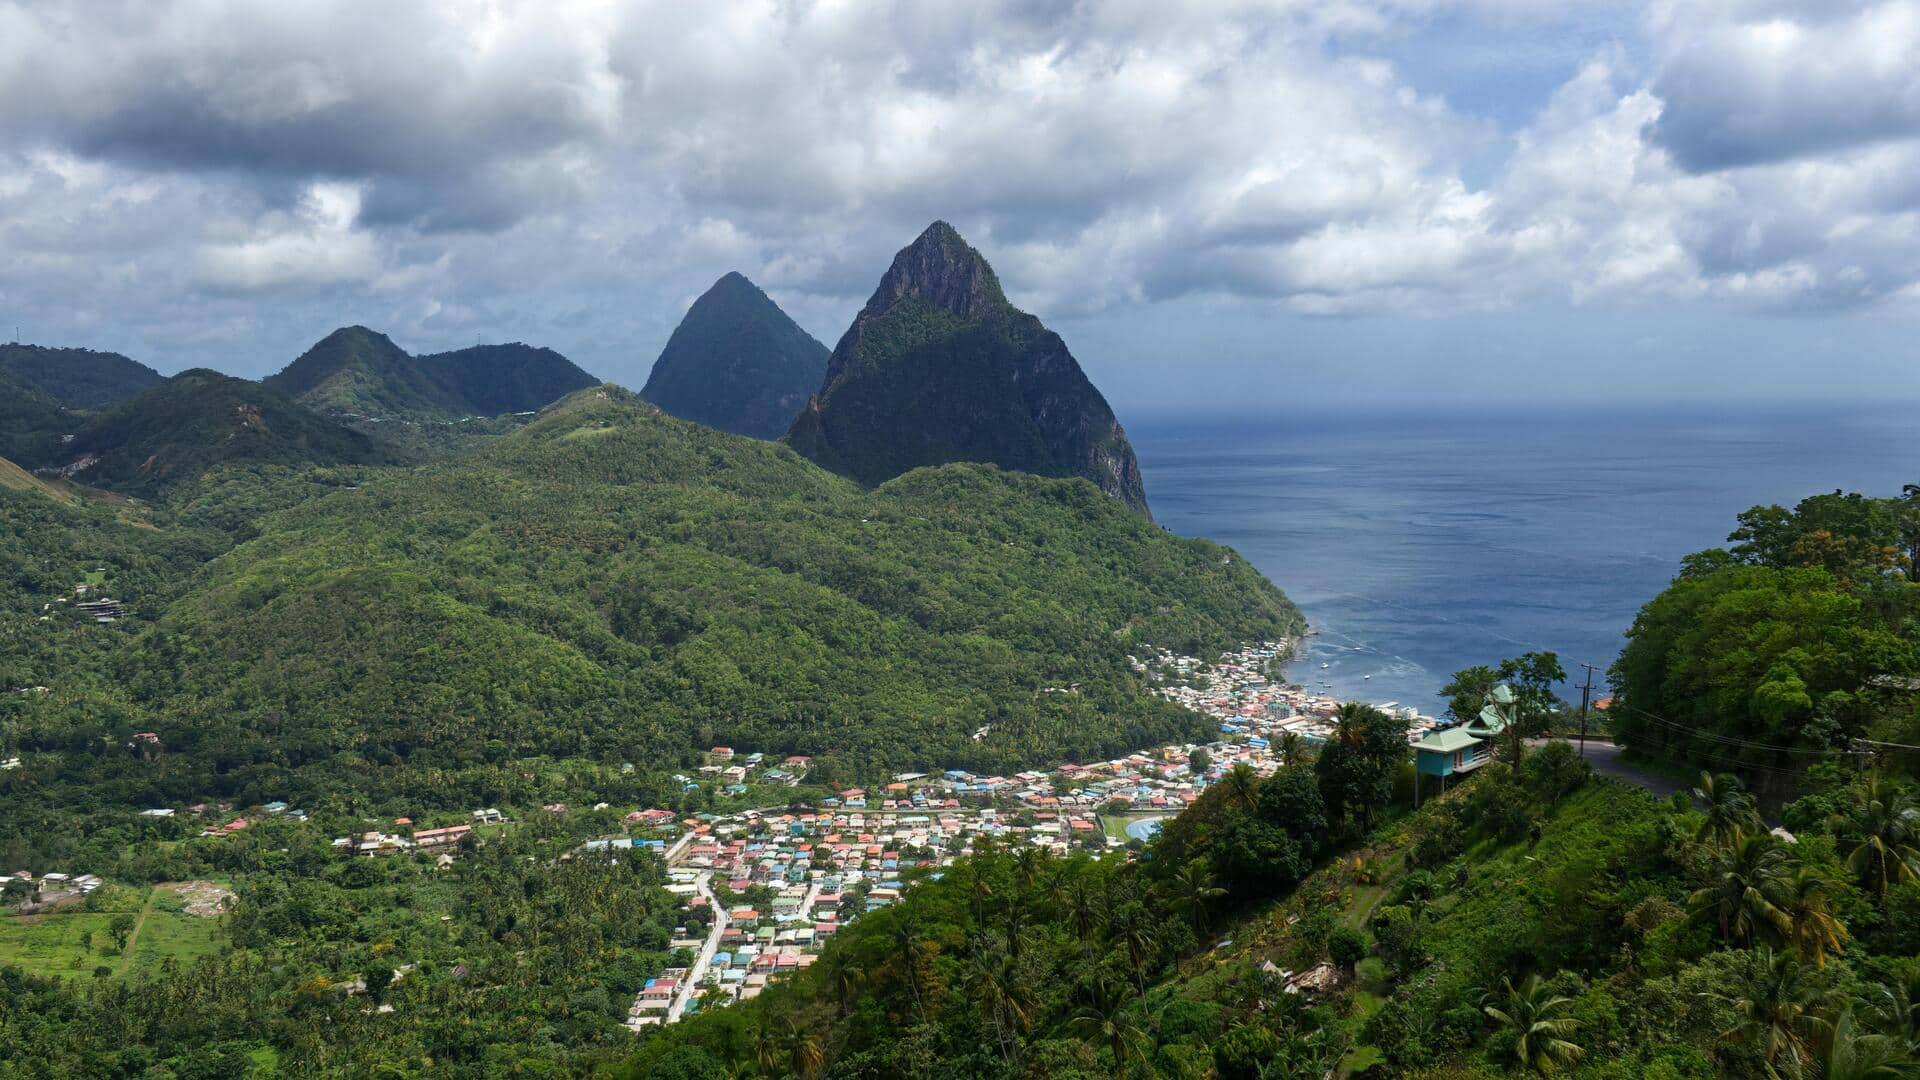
{"points": [[1418, 544]]}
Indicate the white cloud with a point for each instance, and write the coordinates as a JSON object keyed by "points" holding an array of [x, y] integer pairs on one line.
{"points": [[578, 170], [315, 245]]}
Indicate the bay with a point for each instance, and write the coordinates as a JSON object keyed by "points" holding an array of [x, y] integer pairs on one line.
{"points": [[1419, 542]]}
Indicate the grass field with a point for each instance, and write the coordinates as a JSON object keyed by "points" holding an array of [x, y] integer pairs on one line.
{"points": [[1115, 825], [57, 942]]}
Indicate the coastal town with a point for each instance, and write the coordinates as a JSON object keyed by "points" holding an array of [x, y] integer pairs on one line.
{"points": [[761, 891], [772, 887]]}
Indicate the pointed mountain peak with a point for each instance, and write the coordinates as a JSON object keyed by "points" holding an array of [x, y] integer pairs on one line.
{"points": [[940, 269], [736, 362], [939, 367], [734, 287]]}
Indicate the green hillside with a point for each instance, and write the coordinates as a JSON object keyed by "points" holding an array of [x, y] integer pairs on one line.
{"points": [[18, 479], [31, 424], [198, 420], [76, 378], [1530, 922], [1799, 637], [359, 372], [737, 362], [614, 582]]}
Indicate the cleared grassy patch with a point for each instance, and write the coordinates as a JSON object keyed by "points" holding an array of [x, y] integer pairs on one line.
{"points": [[57, 942]]}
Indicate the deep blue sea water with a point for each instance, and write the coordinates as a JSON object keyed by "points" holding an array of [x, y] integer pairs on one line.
{"points": [[1419, 543]]}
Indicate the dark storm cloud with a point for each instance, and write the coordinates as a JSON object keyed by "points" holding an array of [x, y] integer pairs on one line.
{"points": [[392, 95]]}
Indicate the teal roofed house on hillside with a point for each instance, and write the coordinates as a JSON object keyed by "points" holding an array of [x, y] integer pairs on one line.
{"points": [[1455, 750]]}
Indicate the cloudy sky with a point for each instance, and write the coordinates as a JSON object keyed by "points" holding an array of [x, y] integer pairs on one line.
{"points": [[1248, 203]]}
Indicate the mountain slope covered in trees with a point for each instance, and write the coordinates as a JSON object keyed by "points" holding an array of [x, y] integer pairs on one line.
{"points": [[32, 424], [198, 420], [360, 372], [613, 581], [76, 378], [737, 362], [939, 367]]}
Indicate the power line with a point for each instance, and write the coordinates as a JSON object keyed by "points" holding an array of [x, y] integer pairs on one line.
{"points": [[1727, 739], [1889, 745]]}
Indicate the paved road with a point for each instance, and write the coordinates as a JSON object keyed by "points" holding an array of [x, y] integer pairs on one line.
{"points": [[678, 849], [1605, 759], [699, 969]]}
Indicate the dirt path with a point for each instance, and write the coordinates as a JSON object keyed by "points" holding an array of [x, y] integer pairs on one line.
{"points": [[133, 939]]}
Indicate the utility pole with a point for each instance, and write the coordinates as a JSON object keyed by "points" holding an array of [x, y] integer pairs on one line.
{"points": [[1586, 692]]}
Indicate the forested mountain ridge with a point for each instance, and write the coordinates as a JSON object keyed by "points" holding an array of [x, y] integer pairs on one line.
{"points": [[737, 362], [76, 378], [195, 421], [614, 581], [32, 424], [360, 372], [939, 367]]}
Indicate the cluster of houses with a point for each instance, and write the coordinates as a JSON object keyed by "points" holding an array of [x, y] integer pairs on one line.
{"points": [[1239, 691], [50, 888], [732, 770], [99, 608], [375, 842]]}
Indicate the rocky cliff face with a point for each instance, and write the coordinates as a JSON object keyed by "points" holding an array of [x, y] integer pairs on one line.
{"points": [[939, 367], [737, 363]]}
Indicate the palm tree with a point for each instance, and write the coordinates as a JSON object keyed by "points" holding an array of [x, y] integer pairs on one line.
{"points": [[1240, 784], [1029, 866], [1009, 1003], [1896, 1006], [1135, 936], [1749, 893], [1104, 1016], [1192, 890], [1291, 747], [1777, 1012], [1539, 1026], [1844, 1052], [805, 1054], [766, 1049], [980, 892], [1816, 930], [843, 977], [1085, 912], [1884, 825], [906, 939], [1729, 809]]}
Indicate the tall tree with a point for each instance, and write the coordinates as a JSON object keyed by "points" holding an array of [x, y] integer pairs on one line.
{"points": [[1748, 893], [1356, 767], [1539, 1024], [1193, 890], [1883, 828], [1104, 1015], [1728, 806], [1776, 1011]]}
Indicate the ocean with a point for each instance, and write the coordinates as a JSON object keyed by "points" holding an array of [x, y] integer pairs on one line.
{"points": [[1419, 543]]}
